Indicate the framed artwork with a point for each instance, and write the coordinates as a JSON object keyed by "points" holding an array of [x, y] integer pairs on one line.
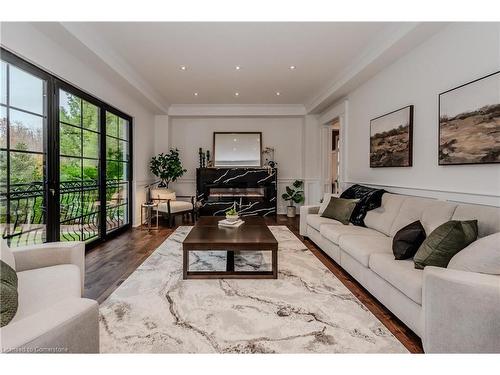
{"points": [[391, 139], [469, 123]]}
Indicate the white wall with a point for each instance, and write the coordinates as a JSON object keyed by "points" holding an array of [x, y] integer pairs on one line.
{"points": [[456, 55], [289, 136], [33, 45]]}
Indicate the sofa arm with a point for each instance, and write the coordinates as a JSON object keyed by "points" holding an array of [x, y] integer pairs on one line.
{"points": [[51, 254], [461, 311], [304, 211], [70, 326]]}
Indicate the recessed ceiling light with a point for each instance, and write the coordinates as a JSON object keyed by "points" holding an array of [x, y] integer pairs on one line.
{"points": [[292, 67], [278, 93], [236, 94], [183, 67], [238, 67], [195, 94]]}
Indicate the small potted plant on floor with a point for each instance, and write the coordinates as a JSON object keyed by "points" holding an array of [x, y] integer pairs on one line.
{"points": [[294, 195]]}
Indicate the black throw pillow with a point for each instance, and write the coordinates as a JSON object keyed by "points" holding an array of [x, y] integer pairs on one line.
{"points": [[407, 240], [369, 198]]}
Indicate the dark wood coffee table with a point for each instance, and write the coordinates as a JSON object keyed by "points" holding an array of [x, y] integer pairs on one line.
{"points": [[253, 235]]}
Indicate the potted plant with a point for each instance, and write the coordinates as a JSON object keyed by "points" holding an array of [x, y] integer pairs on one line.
{"points": [[294, 195], [232, 214], [167, 167]]}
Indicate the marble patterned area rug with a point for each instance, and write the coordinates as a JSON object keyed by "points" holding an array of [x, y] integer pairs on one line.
{"points": [[306, 310]]}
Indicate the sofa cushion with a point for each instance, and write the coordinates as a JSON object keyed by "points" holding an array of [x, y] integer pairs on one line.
{"points": [[436, 214], [488, 217], [175, 206], [335, 232], [411, 210], [316, 221], [362, 247], [481, 256], [401, 274], [382, 218], [444, 242], [340, 209], [6, 254], [42, 287]]}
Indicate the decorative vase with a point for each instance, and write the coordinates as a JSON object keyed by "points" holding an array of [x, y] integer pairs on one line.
{"points": [[232, 218], [291, 211]]}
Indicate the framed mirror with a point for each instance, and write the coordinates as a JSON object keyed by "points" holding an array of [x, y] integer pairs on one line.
{"points": [[237, 149]]}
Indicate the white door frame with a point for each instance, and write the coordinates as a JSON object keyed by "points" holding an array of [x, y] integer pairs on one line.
{"points": [[326, 119]]}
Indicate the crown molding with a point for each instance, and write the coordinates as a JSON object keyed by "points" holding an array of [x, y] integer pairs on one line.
{"points": [[236, 110], [395, 42], [106, 53]]}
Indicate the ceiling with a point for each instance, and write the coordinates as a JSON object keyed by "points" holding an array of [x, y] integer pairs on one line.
{"points": [[330, 58]]}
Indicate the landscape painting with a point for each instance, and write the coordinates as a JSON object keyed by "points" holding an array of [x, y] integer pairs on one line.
{"points": [[469, 123], [391, 139]]}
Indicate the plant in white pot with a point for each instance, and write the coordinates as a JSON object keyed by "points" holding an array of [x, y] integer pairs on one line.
{"points": [[294, 195], [167, 167]]}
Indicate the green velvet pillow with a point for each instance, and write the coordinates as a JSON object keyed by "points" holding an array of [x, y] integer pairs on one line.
{"points": [[8, 293], [340, 209], [444, 242]]}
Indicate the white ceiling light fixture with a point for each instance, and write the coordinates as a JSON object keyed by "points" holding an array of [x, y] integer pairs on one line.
{"points": [[237, 67], [195, 94], [292, 67], [183, 67], [278, 93], [236, 94]]}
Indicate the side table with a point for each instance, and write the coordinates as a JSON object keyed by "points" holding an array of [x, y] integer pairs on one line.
{"points": [[147, 210]]}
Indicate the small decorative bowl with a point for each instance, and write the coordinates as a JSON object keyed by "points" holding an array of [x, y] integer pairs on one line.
{"points": [[232, 218]]}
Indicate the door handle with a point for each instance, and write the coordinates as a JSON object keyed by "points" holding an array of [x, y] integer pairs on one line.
{"points": [[53, 192]]}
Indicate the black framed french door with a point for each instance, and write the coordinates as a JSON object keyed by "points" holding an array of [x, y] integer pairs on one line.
{"points": [[65, 160]]}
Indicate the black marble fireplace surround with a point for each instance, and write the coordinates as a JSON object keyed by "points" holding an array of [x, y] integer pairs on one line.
{"points": [[254, 190]]}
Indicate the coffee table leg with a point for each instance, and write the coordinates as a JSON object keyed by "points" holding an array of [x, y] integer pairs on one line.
{"points": [[275, 263], [185, 263], [230, 261]]}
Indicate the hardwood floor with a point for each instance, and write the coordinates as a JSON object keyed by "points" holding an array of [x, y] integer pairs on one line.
{"points": [[109, 264]]}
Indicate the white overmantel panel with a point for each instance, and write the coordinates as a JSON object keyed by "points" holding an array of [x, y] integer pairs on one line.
{"points": [[190, 110]]}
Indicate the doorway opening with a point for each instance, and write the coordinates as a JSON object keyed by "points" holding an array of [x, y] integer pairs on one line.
{"points": [[335, 156]]}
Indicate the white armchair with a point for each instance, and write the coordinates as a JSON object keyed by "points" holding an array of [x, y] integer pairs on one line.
{"points": [[52, 316], [461, 311]]}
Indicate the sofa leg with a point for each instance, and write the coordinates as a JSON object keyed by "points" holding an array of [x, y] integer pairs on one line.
{"points": [[171, 221]]}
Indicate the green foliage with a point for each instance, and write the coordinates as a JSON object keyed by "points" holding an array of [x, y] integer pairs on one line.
{"points": [[232, 212], [167, 167], [295, 193]]}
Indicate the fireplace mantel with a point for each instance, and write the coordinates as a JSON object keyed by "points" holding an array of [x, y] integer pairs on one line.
{"points": [[252, 190]]}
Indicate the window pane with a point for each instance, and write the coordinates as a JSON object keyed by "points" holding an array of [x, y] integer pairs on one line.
{"points": [[3, 172], [90, 144], [91, 170], [90, 116], [26, 131], [25, 167], [70, 140], [112, 151], [70, 169], [26, 91], [71, 228], [111, 124], [3, 127], [116, 170], [69, 108], [122, 128], [123, 150], [3, 83]]}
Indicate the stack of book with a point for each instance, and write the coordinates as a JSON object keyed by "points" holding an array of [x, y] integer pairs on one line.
{"points": [[230, 224]]}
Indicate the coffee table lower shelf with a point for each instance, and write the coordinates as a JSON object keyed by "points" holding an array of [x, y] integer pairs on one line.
{"points": [[230, 273]]}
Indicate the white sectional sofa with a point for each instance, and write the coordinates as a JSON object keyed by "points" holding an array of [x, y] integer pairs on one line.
{"points": [[452, 311]]}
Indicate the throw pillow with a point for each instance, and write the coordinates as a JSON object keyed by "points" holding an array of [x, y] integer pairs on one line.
{"points": [[325, 201], [8, 293], [369, 199], [407, 240], [481, 256], [340, 209], [444, 242]]}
